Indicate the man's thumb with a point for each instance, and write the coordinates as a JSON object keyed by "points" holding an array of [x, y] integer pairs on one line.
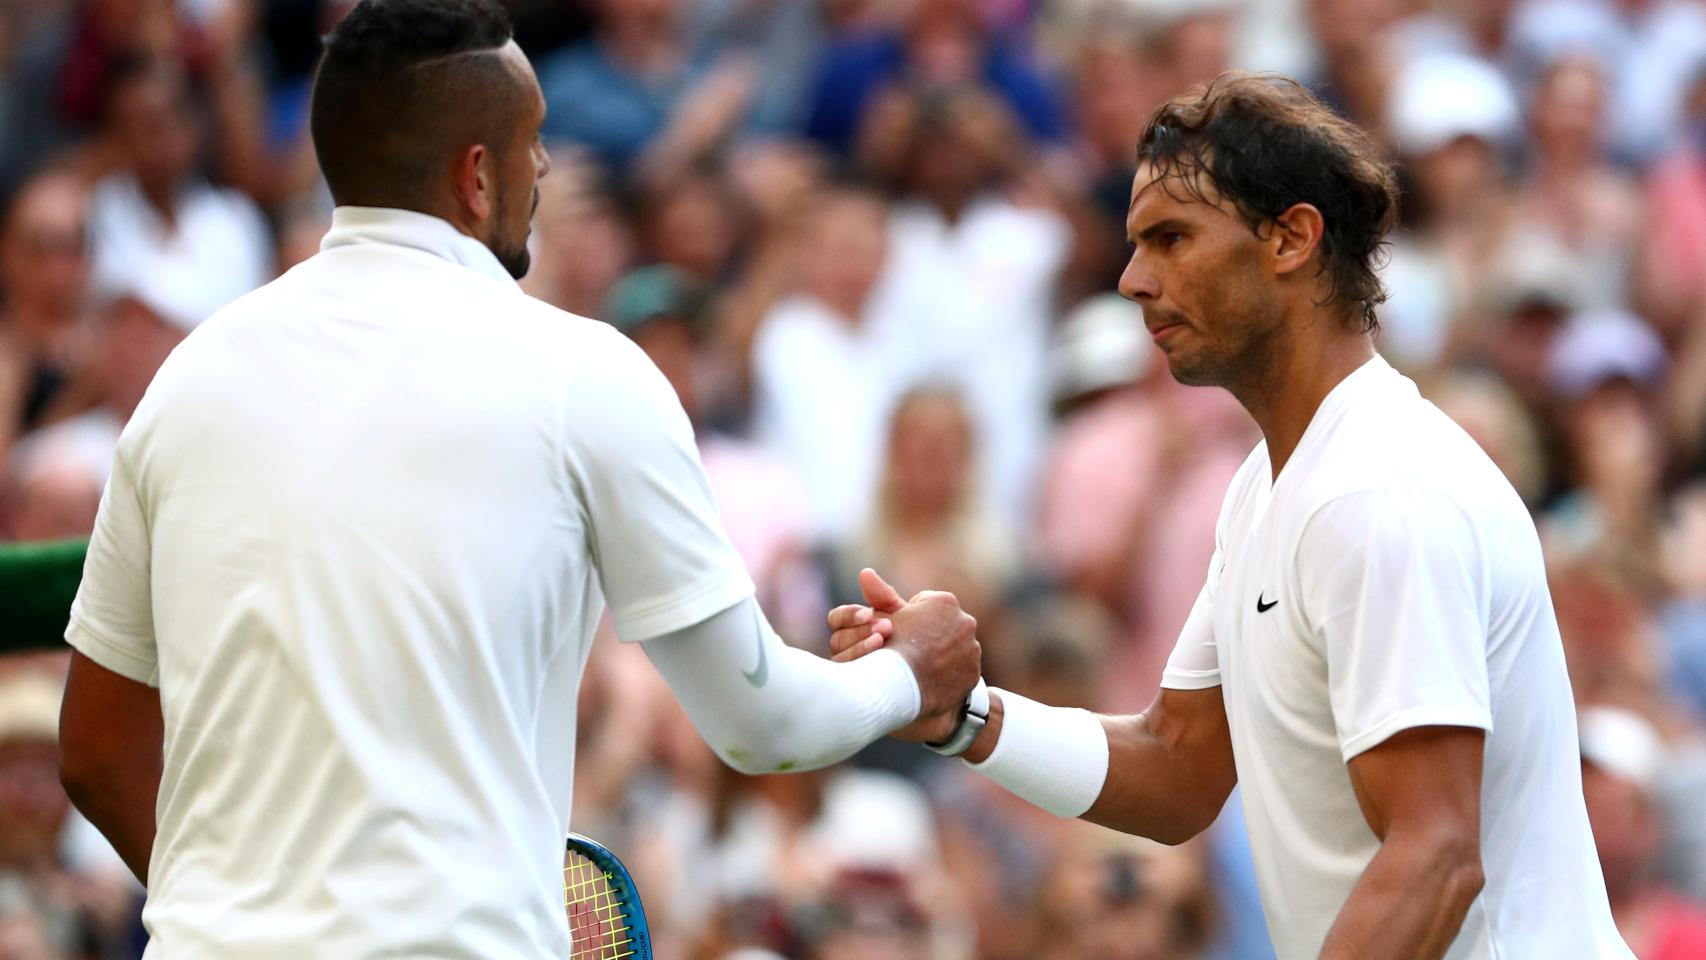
{"points": [[878, 593]]}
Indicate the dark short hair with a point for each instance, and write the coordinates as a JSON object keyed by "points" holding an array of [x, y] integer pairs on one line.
{"points": [[401, 84], [1266, 144]]}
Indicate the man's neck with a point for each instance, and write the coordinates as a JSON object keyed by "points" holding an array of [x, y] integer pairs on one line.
{"points": [[1324, 352]]}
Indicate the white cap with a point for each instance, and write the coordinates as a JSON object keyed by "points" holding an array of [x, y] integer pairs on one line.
{"points": [[1440, 97], [1102, 343], [1604, 345], [29, 706], [1622, 744]]}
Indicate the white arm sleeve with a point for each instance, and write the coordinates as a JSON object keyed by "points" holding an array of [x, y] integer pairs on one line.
{"points": [[766, 707]]}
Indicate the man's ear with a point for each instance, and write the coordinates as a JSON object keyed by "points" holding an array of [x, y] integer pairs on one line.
{"points": [[473, 180], [1296, 235]]}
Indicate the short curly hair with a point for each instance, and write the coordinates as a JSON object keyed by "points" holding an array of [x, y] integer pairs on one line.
{"points": [[1266, 144]]}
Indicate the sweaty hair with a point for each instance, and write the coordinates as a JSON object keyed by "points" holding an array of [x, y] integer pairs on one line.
{"points": [[403, 85], [1266, 144]]}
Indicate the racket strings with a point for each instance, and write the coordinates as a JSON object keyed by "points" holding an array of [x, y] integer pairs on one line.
{"points": [[598, 925]]}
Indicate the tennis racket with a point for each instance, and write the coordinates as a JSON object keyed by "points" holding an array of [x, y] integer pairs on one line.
{"points": [[606, 921]]}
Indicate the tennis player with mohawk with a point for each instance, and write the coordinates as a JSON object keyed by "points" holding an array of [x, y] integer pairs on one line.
{"points": [[345, 575], [1374, 657]]}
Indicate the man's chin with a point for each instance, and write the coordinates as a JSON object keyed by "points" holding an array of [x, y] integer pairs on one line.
{"points": [[1188, 373]]}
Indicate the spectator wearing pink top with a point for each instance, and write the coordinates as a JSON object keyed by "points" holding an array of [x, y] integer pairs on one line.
{"points": [[1673, 269], [1132, 486]]}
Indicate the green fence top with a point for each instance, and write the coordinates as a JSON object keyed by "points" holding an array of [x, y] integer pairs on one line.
{"points": [[37, 584]]}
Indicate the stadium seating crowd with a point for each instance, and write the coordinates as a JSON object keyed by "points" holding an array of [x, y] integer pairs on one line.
{"points": [[873, 244]]}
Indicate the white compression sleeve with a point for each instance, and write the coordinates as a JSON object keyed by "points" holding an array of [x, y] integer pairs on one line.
{"points": [[766, 707], [1054, 757]]}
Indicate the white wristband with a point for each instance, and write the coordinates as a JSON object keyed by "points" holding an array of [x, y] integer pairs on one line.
{"points": [[1054, 757]]}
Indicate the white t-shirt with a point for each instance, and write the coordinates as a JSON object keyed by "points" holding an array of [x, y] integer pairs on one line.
{"points": [[219, 248], [820, 403], [968, 304], [359, 533], [1389, 579]]}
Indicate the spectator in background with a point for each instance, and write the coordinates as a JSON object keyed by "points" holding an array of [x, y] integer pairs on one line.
{"points": [[1002, 852], [45, 342], [156, 219], [1115, 899], [972, 269], [638, 97], [1352, 37], [1648, 49], [1673, 275], [865, 916], [818, 401], [1132, 487], [72, 914], [784, 38], [54, 480], [1623, 759], [1572, 199], [939, 44], [1604, 369], [1683, 617], [761, 502], [1128, 59], [56, 468], [582, 241], [1449, 117], [929, 527], [693, 222]]}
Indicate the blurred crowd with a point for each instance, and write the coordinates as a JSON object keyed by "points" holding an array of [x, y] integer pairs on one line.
{"points": [[873, 244]]}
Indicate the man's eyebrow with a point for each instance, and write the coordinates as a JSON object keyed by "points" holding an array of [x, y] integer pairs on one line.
{"points": [[1161, 226]]}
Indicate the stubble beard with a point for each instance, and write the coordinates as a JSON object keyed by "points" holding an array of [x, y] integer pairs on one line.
{"points": [[1244, 367], [516, 260]]}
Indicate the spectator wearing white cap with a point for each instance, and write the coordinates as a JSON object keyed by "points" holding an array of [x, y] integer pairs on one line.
{"points": [[1451, 118], [1623, 762]]}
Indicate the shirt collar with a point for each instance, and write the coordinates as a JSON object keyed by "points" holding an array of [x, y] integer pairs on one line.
{"points": [[419, 231]]}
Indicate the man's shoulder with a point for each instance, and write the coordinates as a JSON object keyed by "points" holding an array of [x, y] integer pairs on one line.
{"points": [[1403, 441]]}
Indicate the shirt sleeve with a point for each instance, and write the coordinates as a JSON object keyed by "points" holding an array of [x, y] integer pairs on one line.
{"points": [[655, 537], [112, 616], [1392, 588], [1195, 661]]}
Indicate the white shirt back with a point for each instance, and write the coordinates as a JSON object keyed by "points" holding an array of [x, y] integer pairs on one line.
{"points": [[1390, 578], [359, 533]]}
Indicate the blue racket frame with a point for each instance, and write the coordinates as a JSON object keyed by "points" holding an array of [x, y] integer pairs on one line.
{"points": [[622, 883]]}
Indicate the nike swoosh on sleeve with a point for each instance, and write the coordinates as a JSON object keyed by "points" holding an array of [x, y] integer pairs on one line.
{"points": [[759, 675]]}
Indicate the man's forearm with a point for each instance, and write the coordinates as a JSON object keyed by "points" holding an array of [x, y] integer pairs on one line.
{"points": [[1408, 905], [121, 805], [1162, 778], [788, 710]]}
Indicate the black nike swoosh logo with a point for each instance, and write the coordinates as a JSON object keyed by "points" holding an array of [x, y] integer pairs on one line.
{"points": [[1264, 607]]}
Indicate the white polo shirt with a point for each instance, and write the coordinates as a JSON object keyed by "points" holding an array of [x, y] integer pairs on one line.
{"points": [[359, 533], [1390, 578]]}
